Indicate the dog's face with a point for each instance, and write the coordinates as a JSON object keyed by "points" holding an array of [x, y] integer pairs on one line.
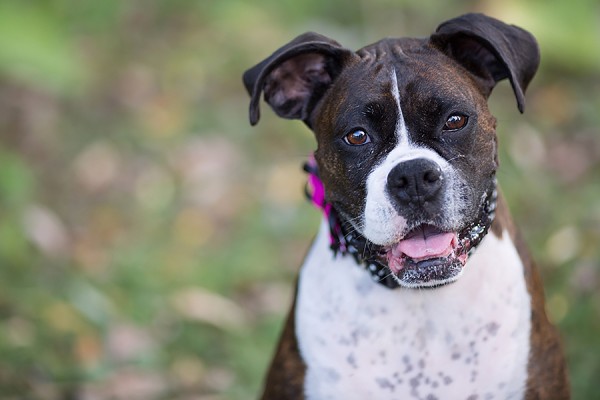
{"points": [[408, 152], [406, 144]]}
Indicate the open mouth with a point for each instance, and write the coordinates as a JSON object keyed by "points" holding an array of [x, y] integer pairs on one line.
{"points": [[427, 256]]}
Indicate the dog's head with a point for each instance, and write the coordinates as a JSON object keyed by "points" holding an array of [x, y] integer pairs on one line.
{"points": [[406, 144]]}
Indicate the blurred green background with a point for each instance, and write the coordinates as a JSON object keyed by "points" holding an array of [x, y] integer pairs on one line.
{"points": [[149, 237]]}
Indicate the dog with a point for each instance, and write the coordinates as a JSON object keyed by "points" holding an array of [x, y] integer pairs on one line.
{"points": [[418, 285]]}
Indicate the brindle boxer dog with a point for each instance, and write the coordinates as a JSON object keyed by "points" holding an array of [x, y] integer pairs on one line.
{"points": [[430, 292]]}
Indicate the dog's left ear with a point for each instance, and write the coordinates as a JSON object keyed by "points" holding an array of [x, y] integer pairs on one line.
{"points": [[490, 49], [296, 76]]}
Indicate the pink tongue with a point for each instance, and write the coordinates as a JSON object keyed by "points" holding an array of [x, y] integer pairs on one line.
{"points": [[419, 246]]}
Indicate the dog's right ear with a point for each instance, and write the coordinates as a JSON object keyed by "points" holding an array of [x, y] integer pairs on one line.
{"points": [[491, 50], [296, 76]]}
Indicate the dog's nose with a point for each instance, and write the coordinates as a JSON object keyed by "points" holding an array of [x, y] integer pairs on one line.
{"points": [[415, 181]]}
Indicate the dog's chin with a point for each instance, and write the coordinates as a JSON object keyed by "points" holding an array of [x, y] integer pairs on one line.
{"points": [[427, 257]]}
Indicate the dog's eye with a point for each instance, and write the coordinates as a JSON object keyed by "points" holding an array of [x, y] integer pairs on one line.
{"points": [[455, 122], [357, 138]]}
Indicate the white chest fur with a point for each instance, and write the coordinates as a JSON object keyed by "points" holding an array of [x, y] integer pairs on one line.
{"points": [[466, 340]]}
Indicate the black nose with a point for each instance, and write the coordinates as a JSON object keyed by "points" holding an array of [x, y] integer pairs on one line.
{"points": [[415, 181]]}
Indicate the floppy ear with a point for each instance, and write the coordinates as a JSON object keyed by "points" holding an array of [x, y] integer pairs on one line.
{"points": [[490, 49], [296, 76]]}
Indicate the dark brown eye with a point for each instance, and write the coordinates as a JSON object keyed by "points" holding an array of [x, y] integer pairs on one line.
{"points": [[455, 122], [357, 138]]}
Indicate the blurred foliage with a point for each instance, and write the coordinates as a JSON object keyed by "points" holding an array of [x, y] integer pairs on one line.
{"points": [[149, 237]]}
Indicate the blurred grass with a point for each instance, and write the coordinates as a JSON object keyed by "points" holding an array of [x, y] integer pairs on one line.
{"points": [[149, 237]]}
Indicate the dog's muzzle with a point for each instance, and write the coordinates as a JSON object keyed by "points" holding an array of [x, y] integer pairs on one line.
{"points": [[426, 256]]}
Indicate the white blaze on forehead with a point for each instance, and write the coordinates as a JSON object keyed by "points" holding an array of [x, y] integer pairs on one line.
{"points": [[401, 131]]}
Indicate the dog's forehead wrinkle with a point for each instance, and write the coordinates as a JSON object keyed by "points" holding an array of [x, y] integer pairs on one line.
{"points": [[392, 48]]}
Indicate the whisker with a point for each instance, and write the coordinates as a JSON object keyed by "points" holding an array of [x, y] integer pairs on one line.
{"points": [[456, 158], [387, 276]]}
